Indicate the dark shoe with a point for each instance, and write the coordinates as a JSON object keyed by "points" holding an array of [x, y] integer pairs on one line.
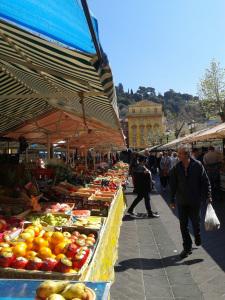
{"points": [[133, 215], [198, 241], [185, 253], [153, 215]]}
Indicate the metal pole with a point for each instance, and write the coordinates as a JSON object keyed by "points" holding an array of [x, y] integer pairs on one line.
{"points": [[91, 28], [86, 162], [48, 147], [94, 159], [67, 151]]}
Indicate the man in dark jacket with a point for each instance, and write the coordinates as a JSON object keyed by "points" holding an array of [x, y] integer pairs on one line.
{"points": [[190, 185], [143, 183]]}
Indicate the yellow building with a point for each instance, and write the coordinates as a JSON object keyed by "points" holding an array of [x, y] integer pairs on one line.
{"points": [[145, 124]]}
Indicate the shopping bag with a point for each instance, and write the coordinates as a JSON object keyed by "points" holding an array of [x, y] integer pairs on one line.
{"points": [[211, 220]]}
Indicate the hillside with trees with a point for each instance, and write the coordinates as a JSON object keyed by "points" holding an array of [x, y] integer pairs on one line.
{"points": [[177, 107]]}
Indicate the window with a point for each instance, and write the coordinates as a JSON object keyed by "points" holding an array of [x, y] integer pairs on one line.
{"points": [[134, 134], [156, 129], [156, 110], [133, 110], [149, 133], [142, 134]]}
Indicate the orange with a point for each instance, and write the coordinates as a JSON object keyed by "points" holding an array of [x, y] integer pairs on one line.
{"points": [[27, 236], [60, 248], [36, 228], [59, 256], [31, 231], [19, 250], [6, 249], [45, 252], [57, 237], [31, 254], [47, 235], [21, 244], [30, 246], [40, 242]]}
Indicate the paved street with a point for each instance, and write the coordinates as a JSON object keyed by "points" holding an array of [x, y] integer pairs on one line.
{"points": [[149, 266]]}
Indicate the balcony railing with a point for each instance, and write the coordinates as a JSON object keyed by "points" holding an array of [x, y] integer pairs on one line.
{"points": [[147, 114]]}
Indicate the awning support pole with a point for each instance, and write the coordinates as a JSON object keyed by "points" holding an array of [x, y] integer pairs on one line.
{"points": [[91, 28], [81, 96], [48, 147], [94, 159], [86, 163], [67, 151]]}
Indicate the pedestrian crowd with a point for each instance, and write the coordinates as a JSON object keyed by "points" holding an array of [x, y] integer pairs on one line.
{"points": [[190, 177]]}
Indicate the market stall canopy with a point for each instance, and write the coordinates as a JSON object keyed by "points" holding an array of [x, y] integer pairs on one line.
{"points": [[150, 149], [58, 126], [48, 62], [217, 132], [189, 138], [171, 144]]}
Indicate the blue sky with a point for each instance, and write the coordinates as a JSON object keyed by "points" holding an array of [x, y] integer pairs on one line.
{"points": [[161, 43]]}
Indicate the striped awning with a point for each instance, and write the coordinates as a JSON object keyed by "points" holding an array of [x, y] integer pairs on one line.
{"points": [[39, 77]]}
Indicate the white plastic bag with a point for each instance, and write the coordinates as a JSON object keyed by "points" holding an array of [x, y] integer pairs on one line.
{"points": [[211, 220]]}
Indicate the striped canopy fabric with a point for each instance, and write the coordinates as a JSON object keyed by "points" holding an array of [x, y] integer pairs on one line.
{"points": [[39, 77]]}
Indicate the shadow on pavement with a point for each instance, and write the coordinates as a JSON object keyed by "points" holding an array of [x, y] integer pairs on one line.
{"points": [[129, 218], [153, 263], [212, 241]]}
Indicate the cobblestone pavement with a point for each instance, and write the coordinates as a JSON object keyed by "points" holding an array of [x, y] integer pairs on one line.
{"points": [[149, 266]]}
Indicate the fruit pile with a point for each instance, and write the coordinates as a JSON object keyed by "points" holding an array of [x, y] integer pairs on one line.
{"points": [[64, 290], [89, 222], [50, 219], [58, 207], [37, 249]]}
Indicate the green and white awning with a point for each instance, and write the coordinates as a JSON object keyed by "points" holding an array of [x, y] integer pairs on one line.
{"points": [[38, 77]]}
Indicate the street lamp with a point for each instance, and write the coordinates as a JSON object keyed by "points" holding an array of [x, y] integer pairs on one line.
{"points": [[191, 126], [167, 133]]}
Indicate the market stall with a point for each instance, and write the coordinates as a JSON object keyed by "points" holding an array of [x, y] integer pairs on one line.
{"points": [[66, 232], [56, 85]]}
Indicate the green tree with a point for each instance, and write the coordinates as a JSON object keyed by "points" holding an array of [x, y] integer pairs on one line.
{"points": [[212, 90]]}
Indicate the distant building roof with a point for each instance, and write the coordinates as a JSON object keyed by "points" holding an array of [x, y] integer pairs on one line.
{"points": [[145, 103]]}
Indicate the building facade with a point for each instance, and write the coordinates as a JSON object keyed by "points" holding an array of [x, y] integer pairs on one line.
{"points": [[146, 124]]}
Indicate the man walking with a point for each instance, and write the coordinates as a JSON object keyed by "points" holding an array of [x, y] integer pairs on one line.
{"points": [[190, 185], [143, 184]]}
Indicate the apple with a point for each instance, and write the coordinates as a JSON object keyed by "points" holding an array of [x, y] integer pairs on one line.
{"points": [[71, 250], [83, 236], [6, 259], [91, 235], [67, 234], [19, 263], [34, 264], [76, 233], [80, 242], [49, 264], [64, 265]]}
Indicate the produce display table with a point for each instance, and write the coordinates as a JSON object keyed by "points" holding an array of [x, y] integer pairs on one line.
{"points": [[101, 267], [25, 289]]}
